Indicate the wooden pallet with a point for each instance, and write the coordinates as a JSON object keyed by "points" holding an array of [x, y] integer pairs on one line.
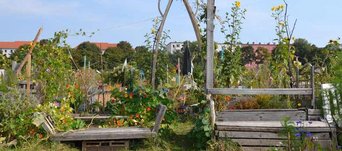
{"points": [[105, 145]]}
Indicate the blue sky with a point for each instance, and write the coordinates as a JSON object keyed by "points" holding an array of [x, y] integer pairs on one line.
{"points": [[129, 20]]}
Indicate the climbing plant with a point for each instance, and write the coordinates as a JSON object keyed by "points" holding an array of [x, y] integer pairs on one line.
{"points": [[52, 66]]}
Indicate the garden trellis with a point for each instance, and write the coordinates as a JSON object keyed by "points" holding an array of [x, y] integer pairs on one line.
{"points": [[160, 31]]}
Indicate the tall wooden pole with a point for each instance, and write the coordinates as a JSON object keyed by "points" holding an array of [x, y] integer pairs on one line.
{"points": [[156, 44], [28, 66], [194, 22], [210, 44], [210, 57]]}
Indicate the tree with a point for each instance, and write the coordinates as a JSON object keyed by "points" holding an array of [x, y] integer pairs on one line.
{"points": [[20, 53], [143, 58], [304, 50], [248, 54], [92, 53], [262, 55], [114, 56], [124, 45]]}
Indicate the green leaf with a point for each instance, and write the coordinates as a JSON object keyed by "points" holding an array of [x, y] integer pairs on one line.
{"points": [[206, 128], [205, 121], [207, 134]]}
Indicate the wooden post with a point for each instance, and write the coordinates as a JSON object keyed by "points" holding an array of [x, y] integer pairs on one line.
{"points": [[210, 45], [312, 83], [167, 73], [29, 52], [156, 45], [28, 66], [210, 57], [84, 62], [178, 73]]}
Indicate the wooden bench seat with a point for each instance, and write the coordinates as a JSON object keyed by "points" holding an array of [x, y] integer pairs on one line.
{"points": [[104, 134]]}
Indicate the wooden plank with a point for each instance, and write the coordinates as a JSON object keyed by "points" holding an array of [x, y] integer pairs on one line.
{"points": [[268, 129], [96, 117], [271, 91], [274, 143], [260, 148], [318, 124], [104, 134], [264, 135], [261, 116], [314, 112], [159, 118], [270, 126], [210, 45], [314, 118], [263, 110], [260, 142]]}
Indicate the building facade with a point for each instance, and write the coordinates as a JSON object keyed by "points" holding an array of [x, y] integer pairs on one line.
{"points": [[8, 48], [174, 46], [104, 45]]}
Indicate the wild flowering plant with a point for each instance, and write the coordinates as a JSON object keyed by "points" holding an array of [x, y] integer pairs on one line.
{"points": [[231, 67], [297, 137]]}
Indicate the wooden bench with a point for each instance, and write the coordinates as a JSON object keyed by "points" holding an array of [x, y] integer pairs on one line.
{"points": [[107, 136]]}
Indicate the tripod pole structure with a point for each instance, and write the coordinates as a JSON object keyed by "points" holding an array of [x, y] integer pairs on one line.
{"points": [[156, 44]]}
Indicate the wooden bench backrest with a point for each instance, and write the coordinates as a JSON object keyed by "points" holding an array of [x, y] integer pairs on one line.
{"points": [[160, 116]]}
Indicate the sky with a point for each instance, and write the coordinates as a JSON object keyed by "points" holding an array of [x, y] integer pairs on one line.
{"points": [[129, 20]]}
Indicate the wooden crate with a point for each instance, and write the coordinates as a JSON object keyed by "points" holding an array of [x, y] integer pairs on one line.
{"points": [[105, 145]]}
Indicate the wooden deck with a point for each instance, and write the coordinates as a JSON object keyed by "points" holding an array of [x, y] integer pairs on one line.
{"points": [[104, 134]]}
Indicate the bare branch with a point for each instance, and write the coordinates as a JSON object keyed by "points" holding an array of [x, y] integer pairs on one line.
{"points": [[159, 9], [293, 28]]}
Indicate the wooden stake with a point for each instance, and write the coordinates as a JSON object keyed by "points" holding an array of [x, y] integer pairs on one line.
{"points": [[28, 66], [29, 52]]}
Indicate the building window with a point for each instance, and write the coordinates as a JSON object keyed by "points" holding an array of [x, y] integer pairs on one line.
{"points": [[177, 45]]}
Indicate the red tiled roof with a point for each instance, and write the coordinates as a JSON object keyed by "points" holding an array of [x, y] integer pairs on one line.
{"points": [[13, 45], [103, 45]]}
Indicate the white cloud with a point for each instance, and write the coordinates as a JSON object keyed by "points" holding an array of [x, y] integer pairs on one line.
{"points": [[38, 7]]}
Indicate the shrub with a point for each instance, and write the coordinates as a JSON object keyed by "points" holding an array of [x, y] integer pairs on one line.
{"points": [[140, 105], [16, 111]]}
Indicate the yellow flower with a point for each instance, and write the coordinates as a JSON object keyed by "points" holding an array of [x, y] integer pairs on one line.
{"points": [[237, 4], [299, 104], [274, 8]]}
